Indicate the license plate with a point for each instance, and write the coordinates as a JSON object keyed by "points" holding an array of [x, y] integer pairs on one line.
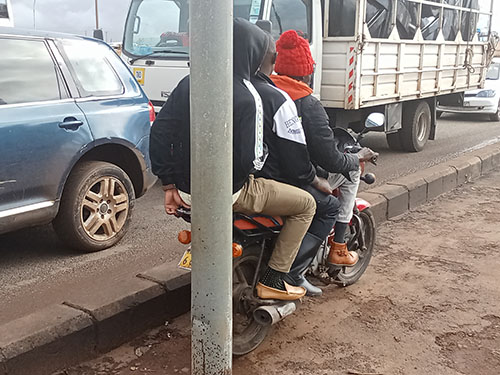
{"points": [[185, 262]]}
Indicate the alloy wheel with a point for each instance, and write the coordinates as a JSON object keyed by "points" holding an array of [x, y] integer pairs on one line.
{"points": [[104, 208]]}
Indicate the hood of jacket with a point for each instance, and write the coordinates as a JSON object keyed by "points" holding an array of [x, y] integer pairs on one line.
{"points": [[250, 46], [296, 89]]}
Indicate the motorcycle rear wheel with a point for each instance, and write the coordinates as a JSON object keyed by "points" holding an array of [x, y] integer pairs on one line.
{"points": [[247, 333], [349, 275]]}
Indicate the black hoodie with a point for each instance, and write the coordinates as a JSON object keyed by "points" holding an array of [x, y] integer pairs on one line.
{"points": [[170, 134]]}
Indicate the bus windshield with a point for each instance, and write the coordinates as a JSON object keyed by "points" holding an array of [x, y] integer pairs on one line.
{"points": [[160, 28]]}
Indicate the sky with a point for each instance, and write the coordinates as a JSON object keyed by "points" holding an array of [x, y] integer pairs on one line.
{"points": [[73, 16], [78, 16]]}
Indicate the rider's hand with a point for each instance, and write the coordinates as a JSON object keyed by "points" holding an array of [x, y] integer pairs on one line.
{"points": [[365, 154], [173, 201], [322, 185], [362, 167]]}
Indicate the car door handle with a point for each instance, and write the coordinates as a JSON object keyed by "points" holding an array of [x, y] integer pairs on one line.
{"points": [[70, 123]]}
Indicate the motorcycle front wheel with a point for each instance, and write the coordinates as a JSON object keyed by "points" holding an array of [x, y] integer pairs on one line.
{"points": [[247, 333], [346, 276]]}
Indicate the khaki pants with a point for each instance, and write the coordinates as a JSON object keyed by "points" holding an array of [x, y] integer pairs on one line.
{"points": [[269, 197]]}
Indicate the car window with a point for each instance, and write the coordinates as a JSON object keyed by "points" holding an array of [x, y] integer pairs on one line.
{"points": [[89, 63], [27, 72]]}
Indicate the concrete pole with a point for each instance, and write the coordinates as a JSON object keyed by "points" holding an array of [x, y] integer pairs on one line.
{"points": [[211, 33]]}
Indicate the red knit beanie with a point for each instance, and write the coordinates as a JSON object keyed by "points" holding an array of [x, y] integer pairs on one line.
{"points": [[294, 56]]}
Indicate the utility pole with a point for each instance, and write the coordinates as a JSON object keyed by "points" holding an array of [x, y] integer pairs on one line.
{"points": [[96, 16], [211, 44], [34, 14], [97, 32]]}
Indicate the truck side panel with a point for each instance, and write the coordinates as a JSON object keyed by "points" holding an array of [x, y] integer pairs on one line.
{"points": [[359, 71]]}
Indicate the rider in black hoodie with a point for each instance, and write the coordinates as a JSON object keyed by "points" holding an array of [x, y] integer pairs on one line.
{"points": [[170, 157]]}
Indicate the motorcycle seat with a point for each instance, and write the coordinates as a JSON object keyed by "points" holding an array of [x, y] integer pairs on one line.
{"points": [[249, 222]]}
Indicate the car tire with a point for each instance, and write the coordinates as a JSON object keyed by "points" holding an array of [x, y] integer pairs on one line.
{"points": [[95, 207], [496, 116], [416, 126]]}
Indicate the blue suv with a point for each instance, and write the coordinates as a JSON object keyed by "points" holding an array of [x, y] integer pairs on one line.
{"points": [[74, 138]]}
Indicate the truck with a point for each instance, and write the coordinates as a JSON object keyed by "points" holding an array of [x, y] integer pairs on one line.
{"points": [[397, 57]]}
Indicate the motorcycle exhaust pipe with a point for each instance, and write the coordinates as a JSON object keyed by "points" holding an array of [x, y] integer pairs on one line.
{"points": [[272, 314]]}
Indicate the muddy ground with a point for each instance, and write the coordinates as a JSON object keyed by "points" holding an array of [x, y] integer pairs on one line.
{"points": [[428, 304]]}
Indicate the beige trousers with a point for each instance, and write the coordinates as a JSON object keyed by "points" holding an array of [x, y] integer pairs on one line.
{"points": [[297, 206]]}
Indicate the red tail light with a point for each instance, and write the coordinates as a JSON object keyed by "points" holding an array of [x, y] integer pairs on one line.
{"points": [[152, 115]]}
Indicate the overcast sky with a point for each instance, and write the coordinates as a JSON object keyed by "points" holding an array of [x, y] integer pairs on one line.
{"points": [[78, 16], [72, 16]]}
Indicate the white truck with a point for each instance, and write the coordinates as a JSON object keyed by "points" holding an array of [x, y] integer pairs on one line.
{"points": [[397, 57]]}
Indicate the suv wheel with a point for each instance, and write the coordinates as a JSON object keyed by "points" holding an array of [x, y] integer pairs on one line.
{"points": [[95, 208]]}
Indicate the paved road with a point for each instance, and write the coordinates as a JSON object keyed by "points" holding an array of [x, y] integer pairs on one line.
{"points": [[456, 134], [36, 270]]}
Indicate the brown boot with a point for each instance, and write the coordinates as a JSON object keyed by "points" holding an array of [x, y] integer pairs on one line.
{"points": [[340, 256]]}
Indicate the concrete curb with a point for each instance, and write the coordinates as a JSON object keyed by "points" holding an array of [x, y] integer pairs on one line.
{"points": [[87, 325], [90, 324]]}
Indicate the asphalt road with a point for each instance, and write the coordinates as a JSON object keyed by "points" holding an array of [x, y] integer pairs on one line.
{"points": [[37, 270]]}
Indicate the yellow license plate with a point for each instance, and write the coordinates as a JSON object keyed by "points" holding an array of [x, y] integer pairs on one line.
{"points": [[185, 262]]}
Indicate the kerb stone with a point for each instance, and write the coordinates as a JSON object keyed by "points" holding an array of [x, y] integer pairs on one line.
{"points": [[47, 340]]}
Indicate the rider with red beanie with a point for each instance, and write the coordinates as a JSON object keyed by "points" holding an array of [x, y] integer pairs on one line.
{"points": [[295, 66]]}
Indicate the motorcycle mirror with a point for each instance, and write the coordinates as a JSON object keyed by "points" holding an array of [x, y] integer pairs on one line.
{"points": [[375, 120]]}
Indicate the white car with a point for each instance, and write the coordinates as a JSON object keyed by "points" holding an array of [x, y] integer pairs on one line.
{"points": [[486, 100]]}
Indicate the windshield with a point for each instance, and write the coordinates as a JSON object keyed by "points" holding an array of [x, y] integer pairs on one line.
{"points": [[4, 12], [161, 27], [493, 72]]}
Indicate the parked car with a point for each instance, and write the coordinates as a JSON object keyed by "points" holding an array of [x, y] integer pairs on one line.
{"points": [[74, 137], [486, 100]]}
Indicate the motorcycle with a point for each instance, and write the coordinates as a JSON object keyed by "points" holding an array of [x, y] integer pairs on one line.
{"points": [[253, 242]]}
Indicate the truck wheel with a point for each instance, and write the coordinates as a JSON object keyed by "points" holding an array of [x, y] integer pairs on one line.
{"points": [[416, 126], [95, 208], [496, 116], [394, 141]]}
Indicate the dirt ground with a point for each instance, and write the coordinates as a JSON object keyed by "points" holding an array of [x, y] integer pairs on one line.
{"points": [[428, 304]]}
